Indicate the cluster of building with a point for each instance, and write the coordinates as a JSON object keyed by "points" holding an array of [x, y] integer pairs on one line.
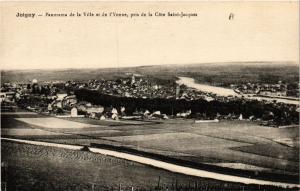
{"points": [[280, 89], [136, 86], [14, 91], [99, 112], [184, 92], [57, 98], [54, 98]]}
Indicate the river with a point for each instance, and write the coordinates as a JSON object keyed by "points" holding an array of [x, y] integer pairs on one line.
{"points": [[190, 82]]}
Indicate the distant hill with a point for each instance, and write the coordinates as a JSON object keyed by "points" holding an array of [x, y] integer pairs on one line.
{"points": [[212, 73]]}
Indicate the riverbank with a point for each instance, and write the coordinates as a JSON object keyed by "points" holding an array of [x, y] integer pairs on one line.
{"points": [[219, 91], [190, 82]]}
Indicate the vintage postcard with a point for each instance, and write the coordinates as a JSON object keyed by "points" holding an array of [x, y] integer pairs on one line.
{"points": [[152, 96]]}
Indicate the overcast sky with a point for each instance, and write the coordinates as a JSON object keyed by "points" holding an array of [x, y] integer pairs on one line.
{"points": [[259, 31]]}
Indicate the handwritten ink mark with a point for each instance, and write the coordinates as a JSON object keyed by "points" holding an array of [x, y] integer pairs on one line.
{"points": [[231, 16]]}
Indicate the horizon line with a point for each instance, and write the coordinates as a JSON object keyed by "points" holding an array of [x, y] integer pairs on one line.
{"points": [[275, 63]]}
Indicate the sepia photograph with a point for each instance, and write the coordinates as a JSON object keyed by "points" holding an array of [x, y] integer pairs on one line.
{"points": [[149, 95]]}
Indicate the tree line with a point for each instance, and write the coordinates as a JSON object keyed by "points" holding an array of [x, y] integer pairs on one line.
{"points": [[281, 114]]}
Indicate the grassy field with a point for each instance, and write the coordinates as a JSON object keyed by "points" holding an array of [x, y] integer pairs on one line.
{"points": [[109, 122], [241, 142], [31, 167]]}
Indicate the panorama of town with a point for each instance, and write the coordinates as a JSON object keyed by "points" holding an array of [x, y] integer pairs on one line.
{"points": [[141, 132], [138, 97]]}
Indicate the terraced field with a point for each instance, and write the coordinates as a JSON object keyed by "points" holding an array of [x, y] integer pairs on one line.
{"points": [[32, 167], [236, 144]]}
